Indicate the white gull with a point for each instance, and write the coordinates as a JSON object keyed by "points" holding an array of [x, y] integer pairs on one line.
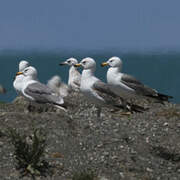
{"points": [[33, 90], [74, 79], [94, 89], [127, 86]]}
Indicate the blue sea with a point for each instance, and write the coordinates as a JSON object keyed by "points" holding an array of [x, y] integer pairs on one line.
{"points": [[159, 70]]}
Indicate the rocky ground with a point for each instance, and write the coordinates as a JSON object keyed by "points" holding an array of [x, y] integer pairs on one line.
{"points": [[139, 146]]}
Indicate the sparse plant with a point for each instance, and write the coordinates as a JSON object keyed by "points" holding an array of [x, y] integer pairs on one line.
{"points": [[2, 133], [84, 175], [169, 113], [29, 152]]}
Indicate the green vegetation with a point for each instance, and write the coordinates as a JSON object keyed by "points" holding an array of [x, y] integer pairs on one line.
{"points": [[29, 152], [2, 102]]}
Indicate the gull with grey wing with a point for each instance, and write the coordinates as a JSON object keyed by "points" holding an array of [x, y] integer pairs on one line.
{"points": [[127, 86], [33, 90], [94, 89]]}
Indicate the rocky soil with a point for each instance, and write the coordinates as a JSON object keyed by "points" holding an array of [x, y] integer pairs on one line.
{"points": [[139, 146]]}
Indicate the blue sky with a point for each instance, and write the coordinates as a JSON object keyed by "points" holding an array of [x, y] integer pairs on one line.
{"points": [[89, 25]]}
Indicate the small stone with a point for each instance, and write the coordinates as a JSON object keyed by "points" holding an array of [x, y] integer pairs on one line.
{"points": [[149, 169], [178, 125], [147, 139], [121, 174], [165, 124], [99, 145], [106, 153], [1, 143], [114, 157]]}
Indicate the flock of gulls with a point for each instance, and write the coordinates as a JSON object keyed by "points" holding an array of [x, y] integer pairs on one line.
{"points": [[115, 94]]}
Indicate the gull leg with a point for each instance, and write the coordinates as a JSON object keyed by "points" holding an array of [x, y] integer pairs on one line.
{"points": [[126, 106], [98, 112], [30, 107]]}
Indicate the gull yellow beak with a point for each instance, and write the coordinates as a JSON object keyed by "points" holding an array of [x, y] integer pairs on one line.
{"points": [[77, 65], [19, 73], [104, 64]]}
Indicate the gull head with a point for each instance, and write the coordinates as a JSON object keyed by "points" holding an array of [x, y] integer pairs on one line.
{"points": [[71, 62], [30, 72], [87, 63], [113, 62], [23, 64]]}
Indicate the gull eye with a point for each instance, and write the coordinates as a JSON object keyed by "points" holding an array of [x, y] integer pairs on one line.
{"points": [[69, 61], [84, 62], [111, 61]]}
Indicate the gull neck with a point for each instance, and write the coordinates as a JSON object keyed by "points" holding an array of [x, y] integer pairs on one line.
{"points": [[88, 72]]}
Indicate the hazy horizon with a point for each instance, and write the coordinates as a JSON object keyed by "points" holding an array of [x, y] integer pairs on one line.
{"points": [[91, 51]]}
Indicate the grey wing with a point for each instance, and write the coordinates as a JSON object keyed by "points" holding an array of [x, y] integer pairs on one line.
{"points": [[77, 83], [130, 79], [140, 88], [42, 93], [102, 89]]}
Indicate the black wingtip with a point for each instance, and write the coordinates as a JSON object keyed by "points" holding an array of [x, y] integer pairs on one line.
{"points": [[160, 97], [64, 106], [164, 97]]}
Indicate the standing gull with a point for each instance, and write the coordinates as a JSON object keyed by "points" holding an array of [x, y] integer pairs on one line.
{"points": [[74, 75], [127, 86], [33, 90], [17, 81], [56, 84], [2, 90], [94, 89]]}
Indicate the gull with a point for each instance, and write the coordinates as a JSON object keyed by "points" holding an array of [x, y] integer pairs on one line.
{"points": [[33, 90], [74, 75], [56, 84], [17, 81], [127, 86], [94, 89], [2, 90]]}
